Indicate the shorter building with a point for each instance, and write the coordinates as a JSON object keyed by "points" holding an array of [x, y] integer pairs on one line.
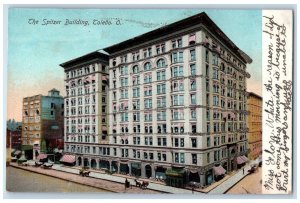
{"points": [[42, 124], [254, 121], [13, 138]]}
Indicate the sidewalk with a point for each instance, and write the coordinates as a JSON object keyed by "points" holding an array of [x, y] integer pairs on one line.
{"points": [[152, 186], [230, 182]]}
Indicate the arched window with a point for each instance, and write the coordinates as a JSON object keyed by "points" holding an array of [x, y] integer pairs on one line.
{"points": [[161, 63], [79, 82], [147, 66], [135, 69]]}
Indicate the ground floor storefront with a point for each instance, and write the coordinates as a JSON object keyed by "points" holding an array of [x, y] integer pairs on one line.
{"points": [[172, 175]]}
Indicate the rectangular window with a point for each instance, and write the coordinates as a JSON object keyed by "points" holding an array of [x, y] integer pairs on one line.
{"points": [[194, 142], [193, 55], [194, 158], [193, 69]]}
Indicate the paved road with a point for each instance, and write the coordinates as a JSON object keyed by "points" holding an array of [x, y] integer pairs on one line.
{"points": [[249, 185], [18, 180]]}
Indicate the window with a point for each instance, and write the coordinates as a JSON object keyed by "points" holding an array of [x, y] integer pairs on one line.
{"points": [[216, 100], [148, 103], [161, 128], [208, 157], [193, 69], [160, 75], [148, 116], [178, 114], [160, 49], [193, 99], [148, 78], [208, 141], [177, 71], [177, 86], [181, 157], [161, 88], [178, 100], [177, 43], [193, 114], [147, 52], [135, 69], [124, 82], [161, 102], [124, 70], [136, 92], [161, 63], [161, 115], [194, 142], [135, 80], [124, 117], [177, 57], [193, 84], [147, 91], [135, 56], [147, 66], [215, 73], [181, 142], [194, 128], [214, 59], [193, 55], [192, 39], [136, 116], [194, 158]]}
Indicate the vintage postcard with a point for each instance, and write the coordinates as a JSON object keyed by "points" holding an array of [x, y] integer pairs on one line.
{"points": [[149, 101]]}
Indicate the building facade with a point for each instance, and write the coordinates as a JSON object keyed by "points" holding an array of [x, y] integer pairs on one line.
{"points": [[13, 138], [86, 107], [178, 98], [177, 105], [42, 123], [254, 122]]}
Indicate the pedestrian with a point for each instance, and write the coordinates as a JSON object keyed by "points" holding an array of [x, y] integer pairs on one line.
{"points": [[125, 183], [192, 190], [243, 171]]}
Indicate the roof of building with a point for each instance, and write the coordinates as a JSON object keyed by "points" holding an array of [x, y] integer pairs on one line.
{"points": [[255, 95], [182, 24], [99, 54], [53, 90]]}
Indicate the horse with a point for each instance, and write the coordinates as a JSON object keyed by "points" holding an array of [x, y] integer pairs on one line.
{"points": [[137, 183], [144, 185]]}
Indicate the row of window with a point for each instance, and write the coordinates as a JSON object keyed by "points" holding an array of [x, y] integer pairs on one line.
{"points": [[84, 71]]}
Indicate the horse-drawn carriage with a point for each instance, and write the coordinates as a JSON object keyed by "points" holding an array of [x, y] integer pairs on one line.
{"points": [[84, 173], [253, 169], [141, 184], [47, 165]]}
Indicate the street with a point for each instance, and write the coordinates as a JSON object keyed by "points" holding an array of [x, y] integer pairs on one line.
{"points": [[18, 180], [249, 185]]}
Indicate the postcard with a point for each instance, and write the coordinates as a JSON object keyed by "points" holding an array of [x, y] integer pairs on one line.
{"points": [[149, 101]]}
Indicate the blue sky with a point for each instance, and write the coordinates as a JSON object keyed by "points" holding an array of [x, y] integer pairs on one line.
{"points": [[35, 51]]}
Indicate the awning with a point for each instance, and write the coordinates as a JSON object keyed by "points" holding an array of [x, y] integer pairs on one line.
{"points": [[42, 156], [244, 158], [177, 172], [67, 158], [219, 170], [240, 160]]}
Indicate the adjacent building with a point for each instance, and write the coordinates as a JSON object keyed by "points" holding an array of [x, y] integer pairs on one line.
{"points": [[175, 104], [86, 107], [254, 122], [42, 123]]}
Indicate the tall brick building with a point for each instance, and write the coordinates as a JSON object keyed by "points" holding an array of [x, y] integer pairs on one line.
{"points": [[42, 123]]}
